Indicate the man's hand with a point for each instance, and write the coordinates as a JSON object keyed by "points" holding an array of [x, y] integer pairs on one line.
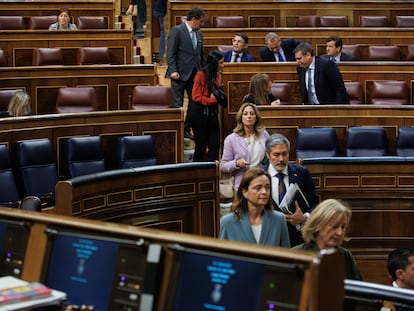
{"points": [[297, 217]]}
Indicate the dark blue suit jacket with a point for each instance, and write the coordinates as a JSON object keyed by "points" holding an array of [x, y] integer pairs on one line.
{"points": [[244, 58], [329, 85], [288, 45], [300, 175], [181, 56]]}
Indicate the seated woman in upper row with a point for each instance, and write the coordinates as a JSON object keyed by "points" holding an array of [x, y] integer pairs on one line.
{"points": [[19, 105], [259, 91], [63, 22]]}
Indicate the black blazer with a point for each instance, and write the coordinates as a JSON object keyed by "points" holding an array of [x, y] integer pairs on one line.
{"points": [[329, 85], [181, 56], [288, 45]]}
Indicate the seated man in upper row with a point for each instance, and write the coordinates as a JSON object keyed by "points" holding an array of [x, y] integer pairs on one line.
{"points": [[334, 50], [239, 52], [278, 50]]}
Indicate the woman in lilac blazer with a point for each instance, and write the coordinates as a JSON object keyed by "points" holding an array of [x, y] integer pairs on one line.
{"points": [[245, 147]]}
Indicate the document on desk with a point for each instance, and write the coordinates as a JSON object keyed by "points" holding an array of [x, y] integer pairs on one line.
{"points": [[9, 282]]}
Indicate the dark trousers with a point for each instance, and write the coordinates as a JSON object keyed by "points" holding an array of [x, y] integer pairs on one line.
{"points": [[206, 128], [178, 88]]}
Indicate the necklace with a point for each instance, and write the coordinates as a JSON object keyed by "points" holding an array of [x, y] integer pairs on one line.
{"points": [[249, 140]]}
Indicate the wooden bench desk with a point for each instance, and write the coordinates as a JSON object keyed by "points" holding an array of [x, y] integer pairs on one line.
{"points": [[113, 83], [18, 44]]}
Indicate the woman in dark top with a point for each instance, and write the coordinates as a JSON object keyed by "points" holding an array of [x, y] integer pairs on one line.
{"points": [[204, 108], [325, 229], [259, 91]]}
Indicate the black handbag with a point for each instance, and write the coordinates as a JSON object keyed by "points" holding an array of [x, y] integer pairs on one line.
{"points": [[220, 96]]}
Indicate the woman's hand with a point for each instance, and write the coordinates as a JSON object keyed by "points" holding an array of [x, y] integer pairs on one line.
{"points": [[242, 163]]}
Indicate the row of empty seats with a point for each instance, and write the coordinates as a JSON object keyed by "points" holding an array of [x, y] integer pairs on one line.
{"points": [[54, 56], [83, 99], [364, 21], [238, 21], [43, 22], [363, 141], [32, 168]]}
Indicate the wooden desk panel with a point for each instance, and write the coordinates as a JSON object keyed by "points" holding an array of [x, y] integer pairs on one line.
{"points": [[236, 79], [166, 126], [77, 8], [180, 197], [14, 42], [113, 83], [381, 197]]}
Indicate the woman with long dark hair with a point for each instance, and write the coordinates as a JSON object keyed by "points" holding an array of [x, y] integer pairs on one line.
{"points": [[204, 108]]}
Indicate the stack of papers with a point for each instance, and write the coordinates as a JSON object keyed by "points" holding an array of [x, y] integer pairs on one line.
{"points": [[16, 294]]}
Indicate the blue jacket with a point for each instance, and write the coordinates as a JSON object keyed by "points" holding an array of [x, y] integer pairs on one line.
{"points": [[274, 229], [244, 58]]}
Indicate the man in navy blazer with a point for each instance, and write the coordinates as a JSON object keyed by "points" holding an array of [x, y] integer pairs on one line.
{"points": [[185, 57], [320, 80], [277, 151], [334, 52], [239, 52], [278, 50]]}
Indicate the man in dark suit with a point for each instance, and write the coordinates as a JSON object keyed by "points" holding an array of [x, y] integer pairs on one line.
{"points": [[283, 174], [320, 80], [185, 58], [239, 52], [334, 50], [278, 50]]}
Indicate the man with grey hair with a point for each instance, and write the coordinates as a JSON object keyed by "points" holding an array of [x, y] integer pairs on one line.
{"points": [[284, 173], [278, 50]]}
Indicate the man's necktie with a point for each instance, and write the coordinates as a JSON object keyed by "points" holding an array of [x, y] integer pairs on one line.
{"points": [[236, 57], [310, 97], [333, 59], [282, 187], [279, 55], [194, 39]]}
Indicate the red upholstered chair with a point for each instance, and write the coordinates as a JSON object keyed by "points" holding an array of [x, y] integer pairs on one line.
{"points": [[308, 21], [11, 22], [230, 22], [334, 21], [374, 21], [92, 22], [47, 56], [404, 21], [354, 90], [410, 52], [389, 93], [93, 56], [42, 22], [5, 97], [388, 52], [353, 50], [281, 91], [3, 61], [75, 99], [151, 97]]}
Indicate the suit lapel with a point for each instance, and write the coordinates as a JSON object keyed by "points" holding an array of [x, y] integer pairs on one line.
{"points": [[264, 235], [247, 229]]}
